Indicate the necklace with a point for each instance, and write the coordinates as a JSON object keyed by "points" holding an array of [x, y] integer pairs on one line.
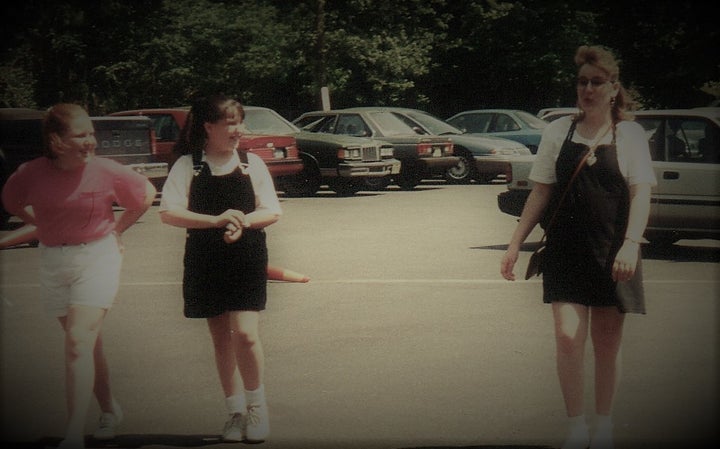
{"points": [[592, 158]]}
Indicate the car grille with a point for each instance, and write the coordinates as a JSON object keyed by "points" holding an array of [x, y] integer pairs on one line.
{"points": [[370, 153]]}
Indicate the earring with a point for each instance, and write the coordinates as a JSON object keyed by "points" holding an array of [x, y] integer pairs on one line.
{"points": [[612, 101]]}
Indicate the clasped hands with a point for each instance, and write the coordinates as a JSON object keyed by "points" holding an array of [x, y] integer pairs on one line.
{"points": [[234, 222]]}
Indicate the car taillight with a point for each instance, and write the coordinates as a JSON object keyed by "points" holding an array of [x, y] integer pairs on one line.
{"points": [[424, 149]]}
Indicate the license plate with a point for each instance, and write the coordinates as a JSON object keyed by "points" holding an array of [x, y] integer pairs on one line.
{"points": [[437, 152]]}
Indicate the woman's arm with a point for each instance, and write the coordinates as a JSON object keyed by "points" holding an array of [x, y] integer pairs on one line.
{"points": [[532, 212], [131, 215], [626, 258]]}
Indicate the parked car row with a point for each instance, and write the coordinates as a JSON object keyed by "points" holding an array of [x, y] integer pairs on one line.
{"points": [[685, 150], [353, 149], [364, 148]]}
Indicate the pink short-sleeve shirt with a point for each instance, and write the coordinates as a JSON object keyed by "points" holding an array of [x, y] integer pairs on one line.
{"points": [[73, 206]]}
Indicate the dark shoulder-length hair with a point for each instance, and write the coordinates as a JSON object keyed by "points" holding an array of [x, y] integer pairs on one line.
{"points": [[57, 121], [602, 58], [211, 109]]}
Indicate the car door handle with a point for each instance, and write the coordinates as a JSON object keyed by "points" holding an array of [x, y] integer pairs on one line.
{"points": [[671, 175]]}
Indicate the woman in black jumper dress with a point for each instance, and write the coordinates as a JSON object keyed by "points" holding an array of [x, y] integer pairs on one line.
{"points": [[593, 244], [225, 198]]}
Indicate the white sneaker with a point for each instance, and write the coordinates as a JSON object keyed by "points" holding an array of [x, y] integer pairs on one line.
{"points": [[108, 423], [603, 438], [257, 423], [577, 438], [234, 430]]}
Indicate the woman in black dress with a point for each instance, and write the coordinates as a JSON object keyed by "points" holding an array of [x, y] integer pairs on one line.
{"points": [[225, 198], [592, 252]]}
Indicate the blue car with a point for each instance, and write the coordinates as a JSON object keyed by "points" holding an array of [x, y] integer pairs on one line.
{"points": [[513, 124]]}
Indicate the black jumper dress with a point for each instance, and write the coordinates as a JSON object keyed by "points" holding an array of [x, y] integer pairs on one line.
{"points": [[218, 276], [588, 231]]}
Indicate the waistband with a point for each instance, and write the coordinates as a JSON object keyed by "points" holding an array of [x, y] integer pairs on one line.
{"points": [[81, 244]]}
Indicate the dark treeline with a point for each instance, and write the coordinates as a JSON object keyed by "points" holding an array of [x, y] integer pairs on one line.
{"points": [[443, 56]]}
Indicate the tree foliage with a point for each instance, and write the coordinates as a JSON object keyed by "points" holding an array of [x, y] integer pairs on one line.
{"points": [[440, 55]]}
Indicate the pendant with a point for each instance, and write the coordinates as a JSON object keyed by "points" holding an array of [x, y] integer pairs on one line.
{"points": [[591, 160]]}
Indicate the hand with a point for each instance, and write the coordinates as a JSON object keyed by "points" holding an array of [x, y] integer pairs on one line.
{"points": [[232, 233], [230, 216], [623, 268], [508, 263], [120, 244]]}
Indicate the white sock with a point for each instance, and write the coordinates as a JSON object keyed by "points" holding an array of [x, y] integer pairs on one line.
{"points": [[236, 404], [603, 437], [256, 396], [603, 422], [578, 435]]}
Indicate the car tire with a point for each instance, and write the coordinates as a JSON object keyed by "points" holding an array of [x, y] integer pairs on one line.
{"points": [[464, 171], [409, 176], [305, 183], [344, 187], [377, 184]]}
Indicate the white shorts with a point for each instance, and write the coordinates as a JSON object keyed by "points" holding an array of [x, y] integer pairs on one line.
{"points": [[86, 274]]}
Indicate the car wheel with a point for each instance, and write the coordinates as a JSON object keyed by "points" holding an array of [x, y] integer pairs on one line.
{"points": [[344, 187], [377, 183], [409, 177], [463, 172], [305, 183], [485, 178]]}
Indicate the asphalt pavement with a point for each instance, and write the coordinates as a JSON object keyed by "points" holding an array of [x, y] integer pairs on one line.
{"points": [[405, 337]]}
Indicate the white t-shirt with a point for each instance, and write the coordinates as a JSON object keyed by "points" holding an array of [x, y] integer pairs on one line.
{"points": [[633, 151], [176, 190]]}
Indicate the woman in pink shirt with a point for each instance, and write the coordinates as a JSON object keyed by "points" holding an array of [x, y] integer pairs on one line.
{"points": [[68, 195]]}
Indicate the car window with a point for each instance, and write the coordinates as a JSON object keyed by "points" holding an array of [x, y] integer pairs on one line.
{"points": [[653, 131], [531, 120], [166, 129], [352, 124], [263, 121], [681, 139], [316, 123], [390, 124], [433, 124], [416, 126], [472, 123], [503, 122]]}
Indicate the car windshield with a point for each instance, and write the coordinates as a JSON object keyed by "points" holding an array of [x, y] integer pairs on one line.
{"points": [[265, 121], [433, 124], [390, 124], [531, 120]]}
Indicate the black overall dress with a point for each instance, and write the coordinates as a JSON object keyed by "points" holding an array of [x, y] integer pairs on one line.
{"points": [[588, 231], [218, 276]]}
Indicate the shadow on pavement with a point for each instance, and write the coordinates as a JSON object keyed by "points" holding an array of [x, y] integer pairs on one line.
{"points": [[480, 447], [128, 441]]}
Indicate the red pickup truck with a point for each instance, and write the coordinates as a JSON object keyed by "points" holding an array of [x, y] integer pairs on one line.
{"points": [[279, 152]]}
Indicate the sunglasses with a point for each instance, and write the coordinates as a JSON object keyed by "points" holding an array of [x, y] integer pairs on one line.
{"points": [[595, 82]]}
